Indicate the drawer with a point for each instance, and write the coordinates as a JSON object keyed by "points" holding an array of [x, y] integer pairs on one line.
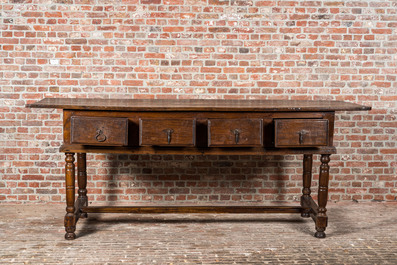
{"points": [[167, 132], [99, 131], [235, 132], [301, 132]]}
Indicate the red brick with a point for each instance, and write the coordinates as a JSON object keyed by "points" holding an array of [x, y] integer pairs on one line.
{"points": [[32, 14], [267, 84], [173, 29], [219, 29], [324, 43], [155, 55], [150, 2], [53, 14], [218, 2], [265, 3]]}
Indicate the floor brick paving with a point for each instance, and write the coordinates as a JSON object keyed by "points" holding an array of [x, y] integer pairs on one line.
{"points": [[358, 233]]}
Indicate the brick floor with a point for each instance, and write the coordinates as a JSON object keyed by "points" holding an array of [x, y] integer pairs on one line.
{"points": [[358, 233]]}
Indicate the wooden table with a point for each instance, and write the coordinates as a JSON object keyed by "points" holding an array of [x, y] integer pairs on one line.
{"points": [[197, 127]]}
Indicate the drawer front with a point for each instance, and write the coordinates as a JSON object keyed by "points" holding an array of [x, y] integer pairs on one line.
{"points": [[167, 132], [301, 132], [235, 132], [99, 131]]}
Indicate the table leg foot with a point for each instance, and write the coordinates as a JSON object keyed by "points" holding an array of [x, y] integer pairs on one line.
{"points": [[319, 234], [305, 214], [70, 236], [70, 226]]}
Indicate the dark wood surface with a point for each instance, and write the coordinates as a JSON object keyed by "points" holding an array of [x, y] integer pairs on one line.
{"points": [[235, 132], [301, 132], [195, 105], [201, 130], [107, 131], [322, 218], [306, 182], [70, 178], [167, 132], [192, 209], [145, 150], [198, 127]]}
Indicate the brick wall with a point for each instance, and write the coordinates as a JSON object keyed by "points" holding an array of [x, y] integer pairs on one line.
{"points": [[228, 49]]}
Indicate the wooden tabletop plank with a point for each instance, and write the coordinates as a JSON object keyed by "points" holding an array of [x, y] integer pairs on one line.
{"points": [[195, 105], [76, 148]]}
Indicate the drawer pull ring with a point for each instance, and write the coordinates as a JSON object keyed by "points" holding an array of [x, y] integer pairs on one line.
{"points": [[301, 134], [236, 135], [168, 132], [100, 137]]}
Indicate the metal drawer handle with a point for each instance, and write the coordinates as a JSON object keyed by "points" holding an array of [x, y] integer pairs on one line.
{"points": [[236, 135], [168, 132], [301, 134], [100, 136]]}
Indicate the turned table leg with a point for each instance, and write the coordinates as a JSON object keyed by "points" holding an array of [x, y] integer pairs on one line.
{"points": [[70, 219], [321, 221], [307, 181], [82, 182]]}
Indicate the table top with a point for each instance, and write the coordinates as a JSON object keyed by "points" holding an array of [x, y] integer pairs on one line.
{"points": [[196, 105]]}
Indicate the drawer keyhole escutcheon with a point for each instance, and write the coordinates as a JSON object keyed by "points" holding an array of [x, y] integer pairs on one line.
{"points": [[301, 134], [168, 132], [236, 135], [100, 136]]}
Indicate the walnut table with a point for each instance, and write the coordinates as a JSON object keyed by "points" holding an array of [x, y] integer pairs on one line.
{"points": [[197, 127]]}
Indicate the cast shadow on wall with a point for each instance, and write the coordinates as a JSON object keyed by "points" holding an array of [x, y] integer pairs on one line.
{"points": [[193, 179], [190, 180]]}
